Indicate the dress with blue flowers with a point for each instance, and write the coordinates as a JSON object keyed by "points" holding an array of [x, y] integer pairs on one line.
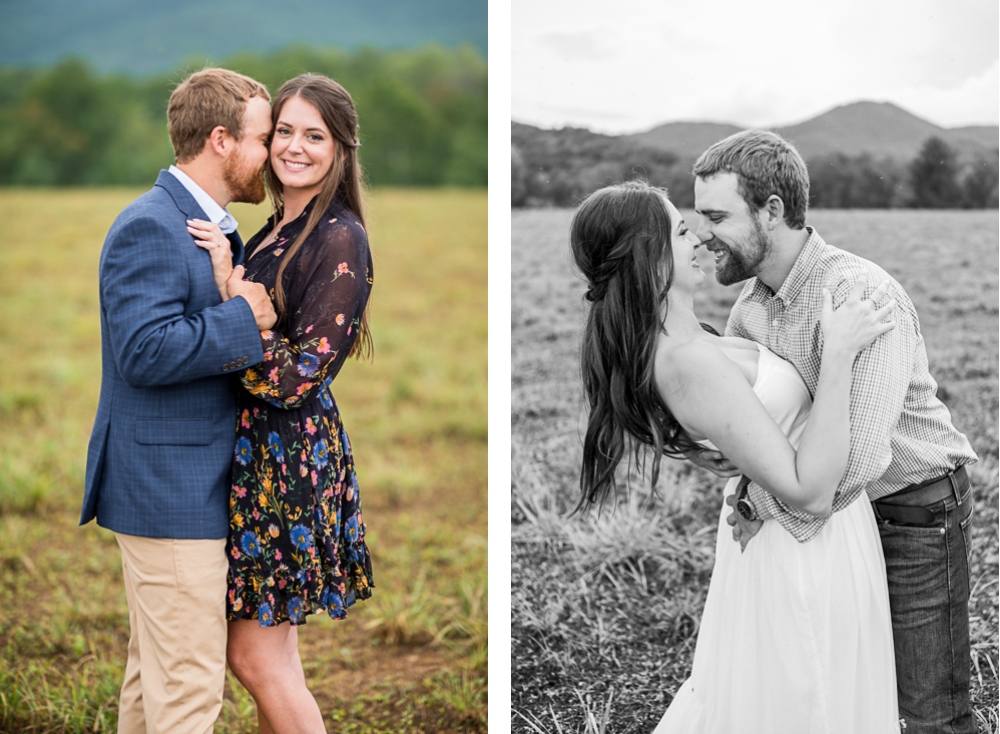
{"points": [[296, 537]]}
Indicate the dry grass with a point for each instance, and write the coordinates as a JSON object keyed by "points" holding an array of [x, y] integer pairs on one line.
{"points": [[605, 609], [412, 659]]}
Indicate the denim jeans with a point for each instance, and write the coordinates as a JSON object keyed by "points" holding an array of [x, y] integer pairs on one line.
{"points": [[928, 574]]}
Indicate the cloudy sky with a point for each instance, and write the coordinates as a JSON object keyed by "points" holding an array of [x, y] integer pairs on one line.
{"points": [[628, 65]]}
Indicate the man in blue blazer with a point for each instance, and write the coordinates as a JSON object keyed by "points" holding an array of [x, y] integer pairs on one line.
{"points": [[165, 431]]}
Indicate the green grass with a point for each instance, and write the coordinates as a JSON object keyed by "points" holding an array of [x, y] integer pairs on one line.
{"points": [[605, 607], [411, 659]]}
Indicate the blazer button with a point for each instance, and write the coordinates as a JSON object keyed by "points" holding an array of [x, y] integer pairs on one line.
{"points": [[244, 360], [226, 367]]}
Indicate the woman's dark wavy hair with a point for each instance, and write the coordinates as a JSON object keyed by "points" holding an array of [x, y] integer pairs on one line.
{"points": [[620, 237]]}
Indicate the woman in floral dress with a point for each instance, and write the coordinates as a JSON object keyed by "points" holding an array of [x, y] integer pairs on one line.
{"points": [[297, 539]]}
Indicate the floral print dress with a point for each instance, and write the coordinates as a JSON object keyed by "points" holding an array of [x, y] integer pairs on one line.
{"points": [[296, 537]]}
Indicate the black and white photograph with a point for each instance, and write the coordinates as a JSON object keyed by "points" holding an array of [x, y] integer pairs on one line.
{"points": [[754, 350]]}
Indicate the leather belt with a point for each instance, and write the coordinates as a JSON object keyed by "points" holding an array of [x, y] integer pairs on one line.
{"points": [[909, 506]]}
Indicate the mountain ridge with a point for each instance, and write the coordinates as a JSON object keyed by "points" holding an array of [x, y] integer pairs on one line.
{"points": [[146, 36], [880, 129]]}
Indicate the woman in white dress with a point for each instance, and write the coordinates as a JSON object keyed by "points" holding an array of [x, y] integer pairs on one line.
{"points": [[795, 637]]}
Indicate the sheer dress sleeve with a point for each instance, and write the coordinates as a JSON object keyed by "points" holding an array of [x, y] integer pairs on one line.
{"points": [[327, 287]]}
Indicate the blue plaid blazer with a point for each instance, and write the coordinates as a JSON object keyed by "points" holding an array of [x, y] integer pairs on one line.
{"points": [[165, 431]]}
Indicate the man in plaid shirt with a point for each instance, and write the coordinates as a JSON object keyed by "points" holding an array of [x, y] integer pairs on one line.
{"points": [[752, 191]]}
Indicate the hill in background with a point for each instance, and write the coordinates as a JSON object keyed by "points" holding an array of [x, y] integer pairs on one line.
{"points": [[880, 129], [143, 36], [861, 155]]}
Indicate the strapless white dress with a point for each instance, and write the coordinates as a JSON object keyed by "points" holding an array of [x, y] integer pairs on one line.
{"points": [[796, 638]]}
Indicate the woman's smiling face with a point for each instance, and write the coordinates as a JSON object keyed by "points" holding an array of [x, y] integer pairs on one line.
{"points": [[688, 274], [302, 149]]}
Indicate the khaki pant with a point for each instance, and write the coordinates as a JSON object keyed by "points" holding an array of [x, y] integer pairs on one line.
{"points": [[176, 669]]}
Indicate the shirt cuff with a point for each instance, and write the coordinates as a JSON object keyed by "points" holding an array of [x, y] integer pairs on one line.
{"points": [[801, 525], [758, 498]]}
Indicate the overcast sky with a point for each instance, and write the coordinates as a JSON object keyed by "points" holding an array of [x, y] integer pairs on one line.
{"points": [[628, 65]]}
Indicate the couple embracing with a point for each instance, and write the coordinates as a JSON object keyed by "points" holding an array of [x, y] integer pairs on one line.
{"points": [[218, 456], [839, 598]]}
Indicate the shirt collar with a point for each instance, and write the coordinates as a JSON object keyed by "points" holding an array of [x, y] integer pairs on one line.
{"points": [[797, 276], [215, 213]]}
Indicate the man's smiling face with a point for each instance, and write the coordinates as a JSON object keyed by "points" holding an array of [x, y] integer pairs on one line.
{"points": [[729, 229]]}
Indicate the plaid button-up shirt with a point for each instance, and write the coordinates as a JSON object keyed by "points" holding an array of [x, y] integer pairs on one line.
{"points": [[901, 434]]}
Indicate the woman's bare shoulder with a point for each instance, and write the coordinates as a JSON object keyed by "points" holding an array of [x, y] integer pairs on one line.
{"points": [[688, 354], [681, 365]]}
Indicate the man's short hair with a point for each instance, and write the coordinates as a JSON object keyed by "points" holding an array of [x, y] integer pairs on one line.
{"points": [[765, 164], [205, 100]]}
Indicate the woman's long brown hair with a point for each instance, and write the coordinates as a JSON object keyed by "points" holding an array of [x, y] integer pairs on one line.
{"points": [[345, 178], [620, 239]]}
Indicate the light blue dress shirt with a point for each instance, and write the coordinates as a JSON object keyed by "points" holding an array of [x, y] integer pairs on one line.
{"points": [[215, 213]]}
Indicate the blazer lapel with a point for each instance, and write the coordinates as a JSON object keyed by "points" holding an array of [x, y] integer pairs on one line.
{"points": [[181, 196], [237, 245], [192, 210]]}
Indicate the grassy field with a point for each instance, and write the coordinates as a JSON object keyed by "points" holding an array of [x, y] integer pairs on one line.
{"points": [[413, 658], [605, 609]]}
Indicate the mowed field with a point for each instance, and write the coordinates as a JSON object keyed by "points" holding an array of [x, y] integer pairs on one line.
{"points": [[605, 607], [411, 659]]}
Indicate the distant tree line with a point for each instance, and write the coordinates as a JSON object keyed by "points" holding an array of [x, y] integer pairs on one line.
{"points": [[935, 179], [423, 116], [559, 169]]}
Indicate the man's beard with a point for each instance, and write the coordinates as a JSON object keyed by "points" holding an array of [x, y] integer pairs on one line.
{"points": [[740, 264], [245, 185]]}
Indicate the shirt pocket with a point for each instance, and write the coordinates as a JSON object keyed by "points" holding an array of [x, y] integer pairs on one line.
{"points": [[155, 432]]}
